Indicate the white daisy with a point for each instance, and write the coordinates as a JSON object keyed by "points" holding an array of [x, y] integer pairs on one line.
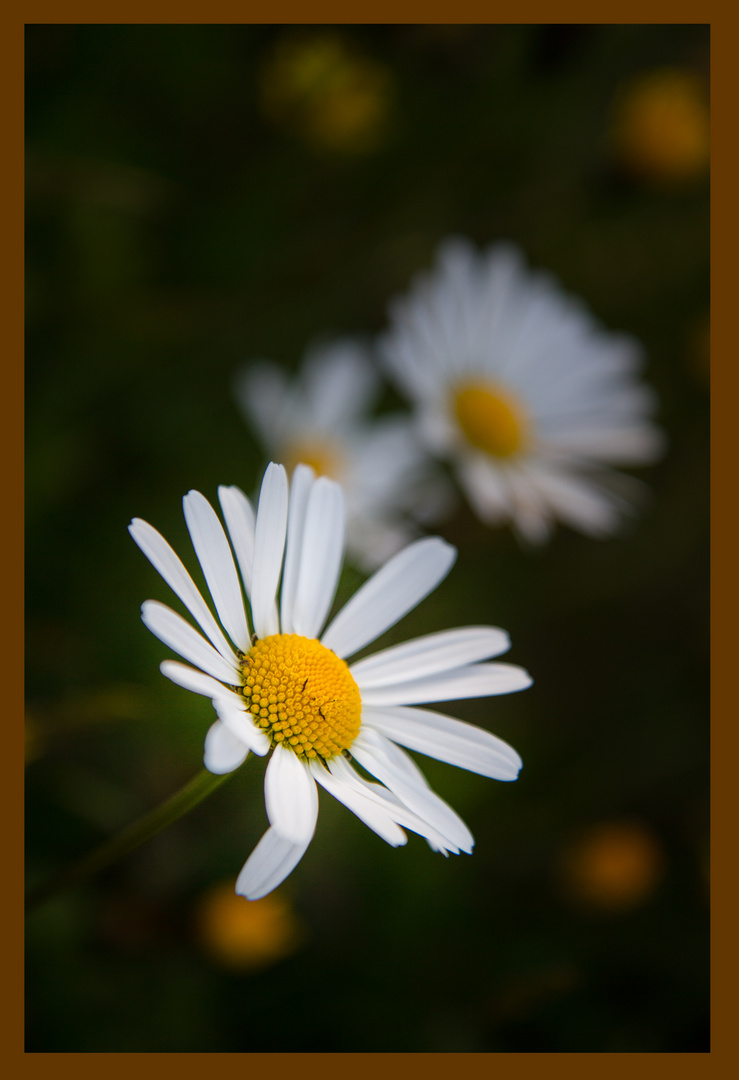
{"points": [[517, 384], [321, 418], [288, 689]]}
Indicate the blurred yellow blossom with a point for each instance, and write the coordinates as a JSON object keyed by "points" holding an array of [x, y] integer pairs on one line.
{"points": [[613, 866], [246, 936], [661, 126], [332, 97]]}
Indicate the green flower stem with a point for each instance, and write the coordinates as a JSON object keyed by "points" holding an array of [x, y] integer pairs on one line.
{"points": [[137, 833]]}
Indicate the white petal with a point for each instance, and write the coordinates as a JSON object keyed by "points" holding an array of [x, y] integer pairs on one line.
{"points": [[391, 806], [430, 654], [476, 680], [302, 481], [174, 631], [636, 444], [339, 383], [164, 560], [290, 796], [214, 556], [268, 865], [370, 811], [578, 501], [196, 681], [269, 546], [389, 594], [447, 739], [321, 557], [224, 752], [260, 388], [239, 516], [240, 724], [486, 486], [409, 820], [389, 764]]}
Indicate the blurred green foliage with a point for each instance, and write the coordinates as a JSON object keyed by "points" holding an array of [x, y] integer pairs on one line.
{"points": [[174, 229]]}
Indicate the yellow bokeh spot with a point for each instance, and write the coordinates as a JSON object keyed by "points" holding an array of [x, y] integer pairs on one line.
{"points": [[246, 935], [614, 866], [322, 456], [661, 129], [302, 695], [490, 419], [332, 97]]}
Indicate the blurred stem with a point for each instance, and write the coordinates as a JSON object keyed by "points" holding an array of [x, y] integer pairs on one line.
{"points": [[138, 833]]}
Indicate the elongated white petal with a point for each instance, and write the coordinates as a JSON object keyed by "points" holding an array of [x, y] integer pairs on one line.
{"points": [[239, 517], [261, 389], [429, 655], [476, 680], [389, 764], [240, 724], [389, 594], [269, 546], [341, 769], [321, 557], [196, 681], [164, 560], [290, 796], [447, 739], [268, 865], [301, 482], [339, 383], [224, 752], [370, 811], [416, 824], [174, 631], [216, 560]]}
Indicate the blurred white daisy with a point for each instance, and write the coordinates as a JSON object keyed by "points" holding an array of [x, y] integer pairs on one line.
{"points": [[288, 689], [518, 385], [321, 418]]}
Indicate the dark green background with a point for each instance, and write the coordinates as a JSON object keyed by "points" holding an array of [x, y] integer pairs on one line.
{"points": [[173, 232]]}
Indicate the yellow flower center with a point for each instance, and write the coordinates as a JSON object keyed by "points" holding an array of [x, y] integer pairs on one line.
{"points": [[302, 694], [321, 455], [490, 419]]}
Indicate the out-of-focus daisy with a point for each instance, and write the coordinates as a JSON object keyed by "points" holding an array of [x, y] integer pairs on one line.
{"points": [[661, 127], [287, 689], [523, 391], [321, 418]]}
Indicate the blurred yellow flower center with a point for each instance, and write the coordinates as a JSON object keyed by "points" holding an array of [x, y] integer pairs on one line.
{"points": [[302, 694], [321, 456], [490, 419]]}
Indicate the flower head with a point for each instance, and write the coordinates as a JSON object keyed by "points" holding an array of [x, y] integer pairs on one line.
{"points": [[321, 418], [523, 391], [283, 686]]}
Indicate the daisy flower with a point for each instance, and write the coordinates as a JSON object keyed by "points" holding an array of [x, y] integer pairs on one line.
{"points": [[321, 418], [519, 387], [282, 685]]}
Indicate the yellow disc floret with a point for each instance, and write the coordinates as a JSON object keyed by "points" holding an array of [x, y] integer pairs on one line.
{"points": [[490, 419], [302, 694], [323, 456]]}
